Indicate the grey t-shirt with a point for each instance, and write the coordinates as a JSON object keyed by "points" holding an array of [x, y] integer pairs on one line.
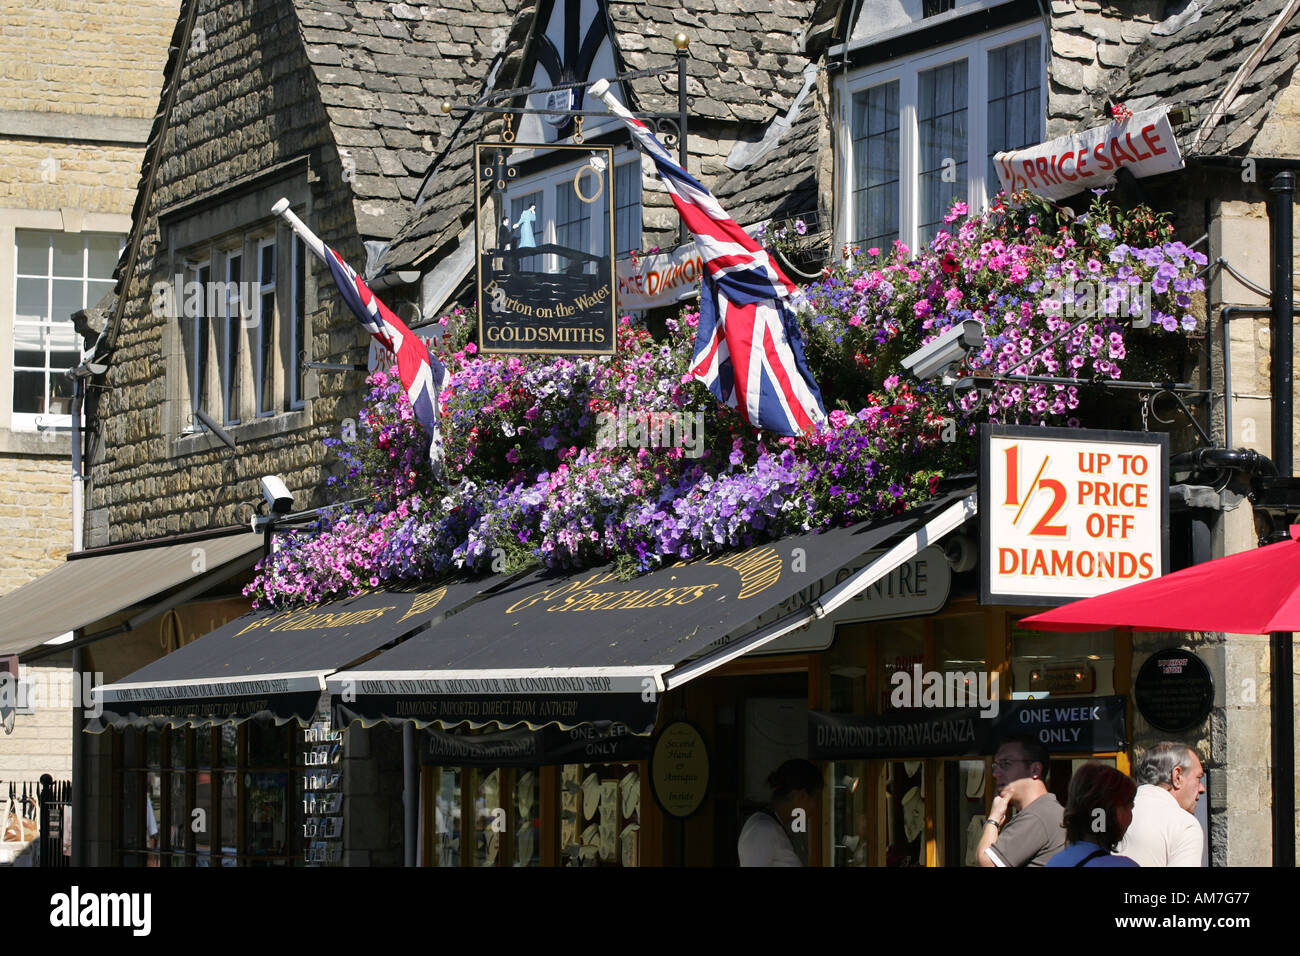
{"points": [[1034, 836]]}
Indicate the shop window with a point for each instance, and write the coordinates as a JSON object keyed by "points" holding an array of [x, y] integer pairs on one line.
{"points": [[965, 785], [223, 796], [1061, 665], [922, 132], [56, 275], [600, 815], [504, 817]]}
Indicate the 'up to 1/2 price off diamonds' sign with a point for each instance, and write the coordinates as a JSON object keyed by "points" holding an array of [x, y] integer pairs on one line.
{"points": [[1068, 513]]}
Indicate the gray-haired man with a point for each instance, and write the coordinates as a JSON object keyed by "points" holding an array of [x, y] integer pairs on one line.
{"points": [[1164, 831]]}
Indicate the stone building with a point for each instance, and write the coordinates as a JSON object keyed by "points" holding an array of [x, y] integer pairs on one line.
{"points": [[864, 120], [77, 88]]}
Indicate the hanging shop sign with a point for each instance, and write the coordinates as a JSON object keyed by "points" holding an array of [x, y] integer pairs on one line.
{"points": [[1144, 144], [915, 588], [1070, 513], [679, 769], [545, 277], [521, 747], [1064, 725], [1174, 690]]}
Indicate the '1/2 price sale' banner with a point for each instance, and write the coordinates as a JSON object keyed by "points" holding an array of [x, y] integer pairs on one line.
{"points": [[1070, 513]]}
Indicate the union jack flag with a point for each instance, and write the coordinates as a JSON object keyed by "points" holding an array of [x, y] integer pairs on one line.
{"points": [[422, 375], [748, 349]]}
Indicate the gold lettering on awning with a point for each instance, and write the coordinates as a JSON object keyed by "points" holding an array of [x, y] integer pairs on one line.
{"points": [[424, 602]]}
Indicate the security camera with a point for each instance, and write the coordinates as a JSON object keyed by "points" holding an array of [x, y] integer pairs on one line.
{"points": [[961, 553], [277, 495], [945, 351]]}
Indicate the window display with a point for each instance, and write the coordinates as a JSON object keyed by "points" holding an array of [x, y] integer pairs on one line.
{"points": [[600, 816], [188, 795]]}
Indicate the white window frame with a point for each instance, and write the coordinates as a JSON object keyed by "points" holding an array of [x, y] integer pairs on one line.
{"points": [[906, 72], [34, 421], [546, 183]]}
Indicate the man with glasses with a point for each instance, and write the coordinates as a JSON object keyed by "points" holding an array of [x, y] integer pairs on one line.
{"points": [[1035, 835]]}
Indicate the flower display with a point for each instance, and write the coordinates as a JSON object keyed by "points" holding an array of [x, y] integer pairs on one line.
{"points": [[574, 462]]}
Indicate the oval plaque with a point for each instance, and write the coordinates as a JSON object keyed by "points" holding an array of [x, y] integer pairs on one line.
{"points": [[679, 769], [1174, 690]]}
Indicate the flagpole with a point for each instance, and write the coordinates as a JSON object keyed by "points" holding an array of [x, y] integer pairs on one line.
{"points": [[309, 238]]}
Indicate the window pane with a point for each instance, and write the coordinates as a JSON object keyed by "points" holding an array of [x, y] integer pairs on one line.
{"points": [[69, 255], [96, 290], [875, 177], [299, 320], [132, 839], [153, 809], [941, 122], [103, 252], [233, 334], [266, 359], [627, 212], [446, 814], [265, 806], [179, 819], [267, 274], [229, 813], [68, 296], [267, 746], [487, 801], [527, 846], [29, 392], [229, 746], [33, 302], [572, 226], [33, 252], [202, 823], [1013, 109]]}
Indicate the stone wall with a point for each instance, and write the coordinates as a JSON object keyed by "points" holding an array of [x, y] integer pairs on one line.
{"points": [[84, 56], [42, 740], [247, 103], [373, 812], [35, 518], [49, 174]]}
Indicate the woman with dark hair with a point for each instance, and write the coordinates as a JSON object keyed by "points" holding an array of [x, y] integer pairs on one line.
{"points": [[765, 839], [1098, 810]]}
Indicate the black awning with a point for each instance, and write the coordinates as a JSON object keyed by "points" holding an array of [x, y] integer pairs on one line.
{"points": [[274, 662], [566, 650]]}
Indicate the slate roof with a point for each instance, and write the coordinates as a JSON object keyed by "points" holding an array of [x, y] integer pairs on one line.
{"points": [[744, 68], [783, 183], [383, 71], [1192, 66]]}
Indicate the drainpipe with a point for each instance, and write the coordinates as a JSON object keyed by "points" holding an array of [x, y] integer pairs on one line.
{"points": [[1281, 216]]}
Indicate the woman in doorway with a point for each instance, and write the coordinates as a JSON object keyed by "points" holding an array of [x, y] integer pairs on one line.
{"points": [[765, 839], [1098, 810]]}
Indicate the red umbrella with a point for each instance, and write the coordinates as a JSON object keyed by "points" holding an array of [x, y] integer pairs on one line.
{"points": [[1254, 592]]}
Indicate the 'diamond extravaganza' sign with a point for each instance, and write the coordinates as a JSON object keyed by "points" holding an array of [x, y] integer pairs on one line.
{"points": [[1070, 513], [545, 253]]}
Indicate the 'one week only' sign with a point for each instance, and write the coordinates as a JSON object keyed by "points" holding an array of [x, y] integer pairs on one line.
{"points": [[1069, 513]]}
